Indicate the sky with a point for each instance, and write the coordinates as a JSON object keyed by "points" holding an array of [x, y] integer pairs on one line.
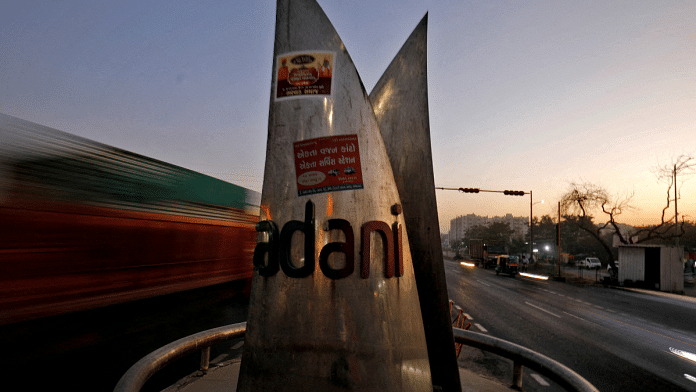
{"points": [[529, 96]]}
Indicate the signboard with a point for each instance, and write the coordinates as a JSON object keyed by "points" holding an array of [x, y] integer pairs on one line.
{"points": [[327, 164], [304, 74]]}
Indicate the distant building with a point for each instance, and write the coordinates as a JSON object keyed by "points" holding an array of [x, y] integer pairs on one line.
{"points": [[460, 225]]}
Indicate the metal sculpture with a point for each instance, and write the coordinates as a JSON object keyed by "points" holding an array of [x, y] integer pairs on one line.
{"points": [[334, 303]]}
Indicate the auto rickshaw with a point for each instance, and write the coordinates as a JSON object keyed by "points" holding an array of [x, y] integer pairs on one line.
{"points": [[507, 265]]}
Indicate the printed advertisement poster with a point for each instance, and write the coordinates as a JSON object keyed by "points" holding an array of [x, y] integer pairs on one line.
{"points": [[327, 164], [304, 74]]}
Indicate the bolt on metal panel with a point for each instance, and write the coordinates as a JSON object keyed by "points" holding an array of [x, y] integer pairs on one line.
{"points": [[323, 315]]}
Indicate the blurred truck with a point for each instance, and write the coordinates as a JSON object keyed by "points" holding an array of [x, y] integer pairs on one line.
{"points": [[484, 253]]}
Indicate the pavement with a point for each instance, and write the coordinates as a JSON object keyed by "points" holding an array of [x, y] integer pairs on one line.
{"points": [[222, 377]]}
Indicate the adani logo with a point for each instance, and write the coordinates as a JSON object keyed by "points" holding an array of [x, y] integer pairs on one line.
{"points": [[271, 256]]}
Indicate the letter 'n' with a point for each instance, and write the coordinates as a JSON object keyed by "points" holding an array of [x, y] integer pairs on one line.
{"points": [[399, 250], [383, 230]]}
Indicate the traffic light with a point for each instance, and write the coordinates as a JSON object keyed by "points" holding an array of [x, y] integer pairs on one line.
{"points": [[469, 190], [513, 193]]}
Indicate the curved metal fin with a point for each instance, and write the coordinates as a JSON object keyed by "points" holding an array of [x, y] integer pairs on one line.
{"points": [[400, 102]]}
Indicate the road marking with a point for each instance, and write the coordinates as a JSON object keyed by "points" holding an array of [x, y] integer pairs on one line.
{"points": [[468, 317], [598, 307], [578, 300], [540, 380], [543, 310], [684, 354], [485, 284], [552, 292], [238, 345], [587, 303], [480, 327], [561, 295], [580, 318], [609, 310], [690, 377]]}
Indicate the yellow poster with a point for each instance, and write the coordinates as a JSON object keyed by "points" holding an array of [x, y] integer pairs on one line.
{"points": [[304, 74]]}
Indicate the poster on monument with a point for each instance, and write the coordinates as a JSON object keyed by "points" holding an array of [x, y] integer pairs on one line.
{"points": [[327, 164], [304, 74]]}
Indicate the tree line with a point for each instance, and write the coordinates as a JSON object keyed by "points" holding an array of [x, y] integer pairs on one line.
{"points": [[580, 236]]}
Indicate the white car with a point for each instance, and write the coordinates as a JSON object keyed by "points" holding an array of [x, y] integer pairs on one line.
{"points": [[590, 263]]}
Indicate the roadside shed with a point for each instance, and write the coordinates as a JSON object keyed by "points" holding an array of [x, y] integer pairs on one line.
{"points": [[656, 267]]}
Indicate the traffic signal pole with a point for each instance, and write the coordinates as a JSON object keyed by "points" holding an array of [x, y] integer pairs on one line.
{"points": [[477, 190], [508, 193], [531, 229]]}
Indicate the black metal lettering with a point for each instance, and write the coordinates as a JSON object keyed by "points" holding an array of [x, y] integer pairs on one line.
{"points": [[383, 230], [306, 227], [270, 248], [398, 250], [347, 248]]}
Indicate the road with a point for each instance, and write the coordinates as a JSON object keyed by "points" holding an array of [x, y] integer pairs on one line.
{"points": [[617, 340]]}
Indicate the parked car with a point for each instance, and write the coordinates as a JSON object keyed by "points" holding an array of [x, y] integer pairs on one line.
{"points": [[590, 263]]}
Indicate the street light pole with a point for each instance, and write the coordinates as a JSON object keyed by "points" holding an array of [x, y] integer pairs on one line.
{"points": [[558, 235], [676, 215], [531, 229]]}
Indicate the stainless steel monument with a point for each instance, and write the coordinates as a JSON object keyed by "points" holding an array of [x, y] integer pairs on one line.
{"points": [[334, 303]]}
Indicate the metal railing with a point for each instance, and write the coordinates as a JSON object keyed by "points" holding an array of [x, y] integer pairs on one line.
{"points": [[522, 356], [141, 371]]}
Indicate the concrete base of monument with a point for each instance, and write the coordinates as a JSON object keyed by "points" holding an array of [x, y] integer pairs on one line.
{"points": [[223, 376]]}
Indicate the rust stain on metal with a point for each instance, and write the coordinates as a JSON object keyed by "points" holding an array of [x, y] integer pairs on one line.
{"points": [[329, 206]]}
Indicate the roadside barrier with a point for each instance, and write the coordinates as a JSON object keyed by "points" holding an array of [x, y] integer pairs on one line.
{"points": [[134, 379]]}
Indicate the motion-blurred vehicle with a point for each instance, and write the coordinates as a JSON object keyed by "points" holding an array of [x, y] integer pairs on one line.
{"points": [[484, 253], [507, 265], [87, 225]]}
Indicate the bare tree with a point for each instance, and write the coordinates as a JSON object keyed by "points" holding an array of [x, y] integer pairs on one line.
{"points": [[684, 166], [586, 200]]}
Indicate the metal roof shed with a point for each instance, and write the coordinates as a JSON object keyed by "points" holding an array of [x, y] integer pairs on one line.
{"points": [[659, 267]]}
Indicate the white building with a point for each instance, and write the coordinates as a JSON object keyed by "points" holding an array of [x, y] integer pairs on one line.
{"points": [[460, 225]]}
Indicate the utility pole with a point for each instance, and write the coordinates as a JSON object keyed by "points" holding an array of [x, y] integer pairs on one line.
{"points": [[531, 229], [676, 216], [558, 237]]}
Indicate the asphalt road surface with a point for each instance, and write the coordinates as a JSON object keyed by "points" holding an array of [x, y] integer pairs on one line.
{"points": [[618, 340]]}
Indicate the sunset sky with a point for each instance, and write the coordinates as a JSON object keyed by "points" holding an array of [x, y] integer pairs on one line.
{"points": [[524, 96]]}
